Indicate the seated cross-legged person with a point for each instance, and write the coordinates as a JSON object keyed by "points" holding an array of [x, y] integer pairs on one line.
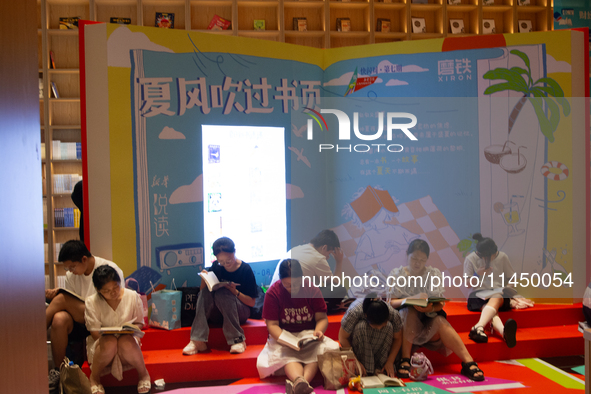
{"points": [[114, 306], [299, 310], [65, 313], [230, 304], [425, 326], [373, 329]]}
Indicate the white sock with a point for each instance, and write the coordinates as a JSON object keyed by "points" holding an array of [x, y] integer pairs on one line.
{"points": [[488, 312], [498, 325]]}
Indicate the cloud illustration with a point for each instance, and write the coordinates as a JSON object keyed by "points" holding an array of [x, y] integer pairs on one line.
{"points": [[168, 133], [122, 40], [188, 193], [396, 82], [554, 66]]}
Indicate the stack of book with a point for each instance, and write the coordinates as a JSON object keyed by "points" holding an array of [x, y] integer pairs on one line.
{"points": [[64, 183]]}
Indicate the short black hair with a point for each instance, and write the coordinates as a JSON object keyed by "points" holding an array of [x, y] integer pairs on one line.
{"points": [[73, 251], [328, 238], [420, 245], [375, 309], [485, 247], [104, 274], [223, 244], [290, 268]]}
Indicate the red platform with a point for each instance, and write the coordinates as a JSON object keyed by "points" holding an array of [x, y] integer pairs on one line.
{"points": [[543, 331]]}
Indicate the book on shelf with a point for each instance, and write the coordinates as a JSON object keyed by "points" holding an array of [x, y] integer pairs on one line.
{"points": [[456, 26], [383, 25], [165, 20], [488, 2], [300, 24], [343, 24], [423, 302], [524, 26], [488, 26], [51, 60], [259, 24], [219, 23], [522, 2], [296, 341], [212, 281], [126, 328], [69, 23], [418, 25], [380, 380], [454, 2], [40, 85], [120, 21], [55, 93]]}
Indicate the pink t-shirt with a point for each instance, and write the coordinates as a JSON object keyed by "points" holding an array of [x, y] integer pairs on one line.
{"points": [[293, 314]]}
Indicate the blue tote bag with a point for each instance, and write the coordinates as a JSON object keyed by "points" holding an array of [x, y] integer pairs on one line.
{"points": [[166, 308]]}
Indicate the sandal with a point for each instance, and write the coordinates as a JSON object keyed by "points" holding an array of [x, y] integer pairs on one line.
{"points": [[469, 372], [509, 333], [477, 334], [404, 368], [97, 389], [144, 386], [301, 386]]}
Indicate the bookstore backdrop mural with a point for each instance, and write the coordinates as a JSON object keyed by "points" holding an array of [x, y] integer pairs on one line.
{"points": [[444, 140]]}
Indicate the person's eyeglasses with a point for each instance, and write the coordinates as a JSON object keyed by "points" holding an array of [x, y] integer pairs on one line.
{"points": [[70, 268]]}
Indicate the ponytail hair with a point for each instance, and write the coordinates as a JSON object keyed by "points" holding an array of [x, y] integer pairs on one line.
{"points": [[376, 310]]}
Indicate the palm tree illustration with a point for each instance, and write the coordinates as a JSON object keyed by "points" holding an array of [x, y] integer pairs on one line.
{"points": [[544, 90]]}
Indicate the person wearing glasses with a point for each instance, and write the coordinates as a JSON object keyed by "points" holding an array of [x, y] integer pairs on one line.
{"points": [[229, 304], [65, 313], [114, 306], [373, 329]]}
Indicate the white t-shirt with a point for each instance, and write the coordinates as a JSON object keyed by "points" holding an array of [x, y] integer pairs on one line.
{"points": [[313, 263], [500, 265], [82, 284]]}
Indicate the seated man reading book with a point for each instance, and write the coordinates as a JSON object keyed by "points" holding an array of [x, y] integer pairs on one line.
{"points": [[291, 310], [65, 313], [228, 302]]}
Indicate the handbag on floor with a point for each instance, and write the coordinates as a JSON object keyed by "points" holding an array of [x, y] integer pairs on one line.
{"points": [[166, 308], [420, 367], [72, 379], [337, 367]]}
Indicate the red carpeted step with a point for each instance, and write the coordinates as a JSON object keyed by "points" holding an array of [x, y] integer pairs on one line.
{"points": [[538, 335]]}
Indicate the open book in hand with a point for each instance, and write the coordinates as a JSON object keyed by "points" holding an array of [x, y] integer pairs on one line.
{"points": [[380, 380], [212, 281], [506, 292], [126, 328], [70, 292], [423, 302], [296, 341]]}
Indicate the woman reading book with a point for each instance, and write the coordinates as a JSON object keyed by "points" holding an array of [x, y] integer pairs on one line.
{"points": [[228, 303], [488, 264], [373, 329], [300, 311], [113, 306], [425, 326]]}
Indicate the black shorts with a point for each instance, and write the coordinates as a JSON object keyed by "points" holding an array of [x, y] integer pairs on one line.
{"points": [[475, 304], [79, 333]]}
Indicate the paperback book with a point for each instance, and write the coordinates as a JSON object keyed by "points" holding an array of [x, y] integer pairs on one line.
{"points": [[121, 21], [296, 341], [380, 380], [423, 302], [165, 20], [219, 23], [126, 328], [212, 281]]}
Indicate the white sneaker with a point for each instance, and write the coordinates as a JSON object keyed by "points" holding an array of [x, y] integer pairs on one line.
{"points": [[238, 348], [194, 347], [54, 380]]}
